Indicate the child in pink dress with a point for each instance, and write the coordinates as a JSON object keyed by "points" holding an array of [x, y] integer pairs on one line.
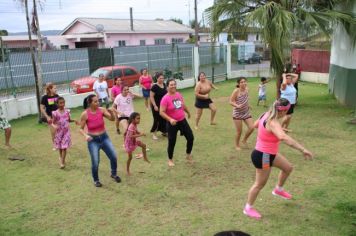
{"points": [[131, 142], [62, 138]]}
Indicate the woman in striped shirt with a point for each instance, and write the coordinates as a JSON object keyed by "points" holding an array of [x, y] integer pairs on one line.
{"points": [[241, 111]]}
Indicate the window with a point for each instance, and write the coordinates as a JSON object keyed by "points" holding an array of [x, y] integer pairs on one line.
{"points": [[160, 41], [64, 46], [129, 72], [177, 40], [121, 43], [117, 73], [142, 42]]}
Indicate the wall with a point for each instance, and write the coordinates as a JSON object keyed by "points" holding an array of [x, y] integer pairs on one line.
{"points": [[17, 108], [312, 61], [315, 77], [134, 39], [20, 44], [79, 28]]}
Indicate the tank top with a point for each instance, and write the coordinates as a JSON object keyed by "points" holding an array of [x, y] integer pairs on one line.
{"points": [[95, 122], [243, 112], [267, 142], [290, 93]]}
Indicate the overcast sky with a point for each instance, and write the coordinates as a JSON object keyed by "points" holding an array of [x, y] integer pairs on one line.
{"points": [[57, 14]]}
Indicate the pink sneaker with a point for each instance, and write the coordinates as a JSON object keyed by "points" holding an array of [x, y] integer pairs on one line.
{"points": [[251, 212], [282, 194]]}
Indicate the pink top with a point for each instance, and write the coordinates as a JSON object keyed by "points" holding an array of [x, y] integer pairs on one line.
{"points": [[267, 142], [174, 106], [115, 90], [61, 119], [95, 121], [131, 142], [124, 104], [146, 81]]}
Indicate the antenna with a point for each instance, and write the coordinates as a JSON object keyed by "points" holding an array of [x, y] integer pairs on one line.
{"points": [[99, 28]]}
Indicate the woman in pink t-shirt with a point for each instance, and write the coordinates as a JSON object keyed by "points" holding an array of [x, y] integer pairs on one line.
{"points": [[266, 154], [123, 105], [145, 82], [116, 90], [172, 109]]}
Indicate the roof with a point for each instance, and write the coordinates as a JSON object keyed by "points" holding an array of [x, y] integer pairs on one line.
{"points": [[140, 26]]}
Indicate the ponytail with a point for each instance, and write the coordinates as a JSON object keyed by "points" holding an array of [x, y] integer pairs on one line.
{"points": [[131, 118], [88, 100], [239, 80]]}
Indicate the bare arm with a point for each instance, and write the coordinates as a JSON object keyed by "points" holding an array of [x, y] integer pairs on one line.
{"points": [[233, 98], [140, 82], [186, 110], [295, 78], [44, 113], [108, 113], [162, 112], [83, 121], [152, 99], [213, 86], [277, 130], [284, 81]]}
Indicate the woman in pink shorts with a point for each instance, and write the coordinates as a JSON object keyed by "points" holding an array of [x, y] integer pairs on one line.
{"points": [[266, 154]]}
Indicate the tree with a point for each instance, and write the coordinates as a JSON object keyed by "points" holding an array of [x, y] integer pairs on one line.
{"points": [[4, 33], [192, 24], [177, 20], [279, 21]]}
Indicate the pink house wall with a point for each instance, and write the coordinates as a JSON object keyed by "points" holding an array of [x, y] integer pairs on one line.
{"points": [[20, 44], [79, 28], [134, 39]]}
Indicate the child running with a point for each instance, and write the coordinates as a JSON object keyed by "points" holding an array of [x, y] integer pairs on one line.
{"points": [[62, 138], [130, 139], [262, 92]]}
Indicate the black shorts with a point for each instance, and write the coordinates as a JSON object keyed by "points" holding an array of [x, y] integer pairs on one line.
{"points": [[291, 109], [202, 103], [262, 160], [123, 118]]}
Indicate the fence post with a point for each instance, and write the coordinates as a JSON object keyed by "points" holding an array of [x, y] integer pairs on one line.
{"points": [[3, 63], [14, 91], [66, 64], [148, 58], [228, 60], [212, 74], [196, 63]]}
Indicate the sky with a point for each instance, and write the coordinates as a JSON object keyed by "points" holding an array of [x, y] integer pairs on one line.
{"points": [[57, 14]]}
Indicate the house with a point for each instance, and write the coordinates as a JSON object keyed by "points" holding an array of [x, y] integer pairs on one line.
{"points": [[18, 41], [105, 32]]}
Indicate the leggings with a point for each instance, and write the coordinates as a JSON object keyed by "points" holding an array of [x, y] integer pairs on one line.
{"points": [[159, 124], [185, 130]]}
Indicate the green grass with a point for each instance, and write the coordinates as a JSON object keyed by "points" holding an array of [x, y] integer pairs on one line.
{"points": [[37, 198]]}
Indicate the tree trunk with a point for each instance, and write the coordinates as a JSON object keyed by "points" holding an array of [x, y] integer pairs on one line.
{"points": [[39, 47], [38, 96]]}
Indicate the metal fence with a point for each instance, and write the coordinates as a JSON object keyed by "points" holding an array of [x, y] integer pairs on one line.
{"points": [[63, 66]]}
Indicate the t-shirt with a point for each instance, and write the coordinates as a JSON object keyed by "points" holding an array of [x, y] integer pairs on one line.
{"points": [[174, 105], [146, 81], [50, 102], [100, 88], [115, 90], [261, 89], [159, 93], [124, 104]]}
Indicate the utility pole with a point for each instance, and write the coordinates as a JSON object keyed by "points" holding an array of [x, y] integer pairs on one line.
{"points": [[189, 10], [196, 22], [39, 45]]}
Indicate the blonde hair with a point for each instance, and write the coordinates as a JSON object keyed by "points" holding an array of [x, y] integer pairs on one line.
{"points": [[273, 111], [49, 86]]}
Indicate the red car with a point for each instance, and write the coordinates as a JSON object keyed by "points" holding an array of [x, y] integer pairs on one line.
{"points": [[129, 75]]}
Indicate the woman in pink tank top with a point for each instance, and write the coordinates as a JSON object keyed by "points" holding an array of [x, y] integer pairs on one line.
{"points": [[96, 136], [266, 154], [145, 83]]}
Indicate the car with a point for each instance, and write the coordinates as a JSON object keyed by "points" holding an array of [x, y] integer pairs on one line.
{"points": [[129, 75], [254, 58]]}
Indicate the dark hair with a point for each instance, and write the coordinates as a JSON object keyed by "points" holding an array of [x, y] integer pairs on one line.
{"points": [[123, 86], [60, 99], [263, 79], [116, 78], [143, 70], [239, 80], [131, 118], [88, 100], [169, 80], [200, 75]]}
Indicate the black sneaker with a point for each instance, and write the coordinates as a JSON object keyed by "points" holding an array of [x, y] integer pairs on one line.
{"points": [[97, 184], [116, 178]]}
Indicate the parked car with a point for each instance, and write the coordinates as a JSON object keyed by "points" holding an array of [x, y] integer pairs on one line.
{"points": [[129, 75], [254, 58]]}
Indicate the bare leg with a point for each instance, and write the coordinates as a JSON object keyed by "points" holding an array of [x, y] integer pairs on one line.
{"points": [[213, 109], [117, 124], [285, 166], [7, 137], [286, 122], [238, 125], [124, 124], [197, 117], [260, 182], [249, 124], [61, 161], [52, 130], [143, 146], [128, 163]]}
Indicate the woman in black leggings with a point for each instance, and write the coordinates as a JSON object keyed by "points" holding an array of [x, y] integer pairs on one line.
{"points": [[172, 109]]}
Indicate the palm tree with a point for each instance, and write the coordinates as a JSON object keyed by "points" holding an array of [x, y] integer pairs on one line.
{"points": [[279, 21]]}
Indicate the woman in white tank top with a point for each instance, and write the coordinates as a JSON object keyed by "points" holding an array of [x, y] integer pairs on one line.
{"points": [[289, 92]]}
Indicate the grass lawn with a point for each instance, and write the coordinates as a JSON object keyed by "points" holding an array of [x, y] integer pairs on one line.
{"points": [[37, 198]]}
